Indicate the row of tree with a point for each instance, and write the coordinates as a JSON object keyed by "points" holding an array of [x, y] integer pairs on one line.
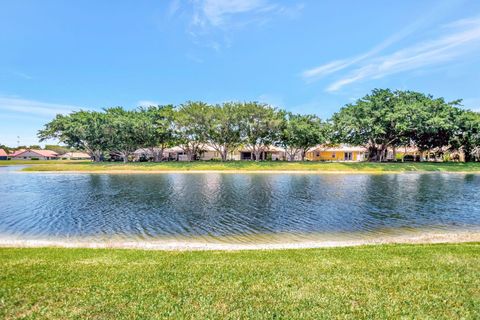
{"points": [[388, 119], [380, 121], [225, 127]]}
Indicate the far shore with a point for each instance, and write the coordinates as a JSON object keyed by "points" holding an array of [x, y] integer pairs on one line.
{"points": [[133, 172], [310, 167]]}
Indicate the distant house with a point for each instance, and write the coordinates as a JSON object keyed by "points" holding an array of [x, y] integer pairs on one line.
{"points": [[337, 153], [29, 154], [3, 155], [76, 156]]}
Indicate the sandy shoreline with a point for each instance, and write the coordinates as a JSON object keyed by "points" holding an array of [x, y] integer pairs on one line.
{"points": [[194, 245], [243, 171]]}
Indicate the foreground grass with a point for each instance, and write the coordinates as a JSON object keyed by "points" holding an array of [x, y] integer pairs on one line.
{"points": [[86, 166], [392, 281]]}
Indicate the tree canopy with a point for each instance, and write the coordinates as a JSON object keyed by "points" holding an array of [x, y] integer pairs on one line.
{"points": [[381, 121]]}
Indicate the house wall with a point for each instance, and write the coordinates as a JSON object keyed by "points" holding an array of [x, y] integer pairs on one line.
{"points": [[209, 155], [333, 156]]}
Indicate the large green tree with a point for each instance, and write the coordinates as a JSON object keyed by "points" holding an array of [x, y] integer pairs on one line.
{"points": [[192, 122], [299, 133], [125, 131], [224, 132], [157, 129], [389, 119], [82, 130], [261, 124], [467, 135]]}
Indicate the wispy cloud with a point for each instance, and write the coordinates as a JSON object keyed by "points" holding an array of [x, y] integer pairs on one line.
{"points": [[23, 75], [219, 13], [220, 17], [337, 65], [452, 41], [147, 103], [33, 107], [173, 7]]}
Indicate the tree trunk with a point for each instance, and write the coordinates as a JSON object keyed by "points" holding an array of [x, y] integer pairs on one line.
{"points": [[303, 156], [394, 154], [292, 156], [257, 155], [157, 155], [467, 154], [224, 154]]}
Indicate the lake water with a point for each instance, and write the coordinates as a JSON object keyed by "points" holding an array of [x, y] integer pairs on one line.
{"points": [[241, 207]]}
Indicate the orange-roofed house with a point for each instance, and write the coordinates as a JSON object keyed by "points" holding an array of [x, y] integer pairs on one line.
{"points": [[29, 154], [3, 155]]}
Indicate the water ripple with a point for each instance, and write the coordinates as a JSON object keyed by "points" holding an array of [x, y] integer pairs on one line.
{"points": [[238, 206]]}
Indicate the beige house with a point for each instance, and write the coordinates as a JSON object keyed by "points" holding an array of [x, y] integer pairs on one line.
{"points": [[76, 156]]}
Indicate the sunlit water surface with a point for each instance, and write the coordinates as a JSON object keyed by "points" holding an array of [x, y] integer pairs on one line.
{"points": [[236, 207]]}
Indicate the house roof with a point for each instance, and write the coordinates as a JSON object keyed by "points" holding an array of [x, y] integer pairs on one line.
{"points": [[43, 153], [17, 152], [174, 149], [76, 155], [340, 148], [3, 153]]}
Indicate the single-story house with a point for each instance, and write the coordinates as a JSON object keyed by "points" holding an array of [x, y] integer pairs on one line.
{"points": [[414, 154], [337, 153], [209, 153], [29, 154], [76, 156], [3, 155]]}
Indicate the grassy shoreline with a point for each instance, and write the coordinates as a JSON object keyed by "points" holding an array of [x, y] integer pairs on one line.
{"points": [[243, 166], [387, 281]]}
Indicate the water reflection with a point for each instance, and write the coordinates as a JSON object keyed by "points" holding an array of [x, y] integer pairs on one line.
{"points": [[215, 204]]}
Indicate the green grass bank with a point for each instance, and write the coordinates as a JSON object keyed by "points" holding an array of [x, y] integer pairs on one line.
{"points": [[359, 167], [369, 282]]}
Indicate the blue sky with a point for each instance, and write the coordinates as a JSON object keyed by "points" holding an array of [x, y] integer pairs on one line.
{"points": [[306, 56]]}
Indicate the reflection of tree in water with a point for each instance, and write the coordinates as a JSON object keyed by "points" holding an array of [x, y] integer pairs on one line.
{"points": [[227, 204]]}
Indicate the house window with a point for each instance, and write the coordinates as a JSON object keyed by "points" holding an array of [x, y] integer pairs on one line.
{"points": [[348, 156], [318, 154], [334, 155]]}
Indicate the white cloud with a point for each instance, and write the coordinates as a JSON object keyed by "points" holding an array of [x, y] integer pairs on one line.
{"points": [[173, 7], [147, 103], [272, 99], [464, 39], [218, 18], [33, 107], [23, 75], [337, 65], [216, 12]]}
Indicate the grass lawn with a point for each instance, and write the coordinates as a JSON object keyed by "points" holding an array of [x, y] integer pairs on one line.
{"points": [[60, 165], [370, 282]]}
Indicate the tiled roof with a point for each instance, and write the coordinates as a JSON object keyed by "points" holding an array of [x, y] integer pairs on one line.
{"points": [[76, 155], [17, 152], [43, 153]]}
